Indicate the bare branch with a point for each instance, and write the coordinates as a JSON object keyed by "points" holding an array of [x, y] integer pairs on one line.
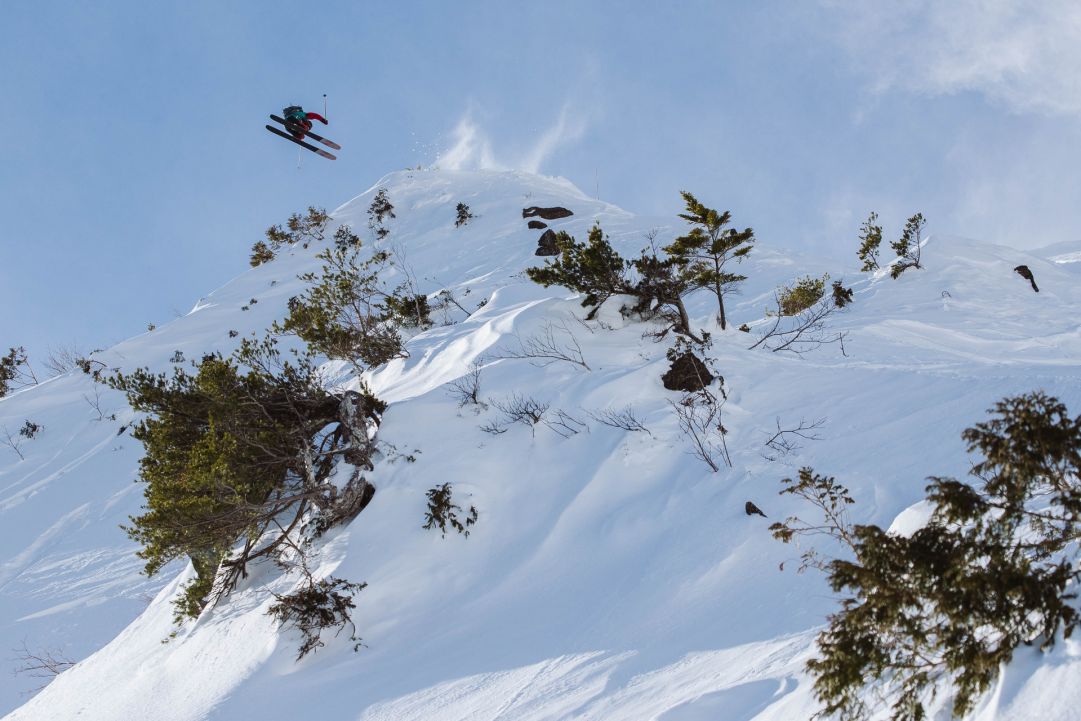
{"points": [[699, 417], [805, 332], [624, 419], [546, 348], [784, 440], [466, 390]]}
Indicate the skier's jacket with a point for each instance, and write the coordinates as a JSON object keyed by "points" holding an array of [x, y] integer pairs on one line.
{"points": [[299, 122]]}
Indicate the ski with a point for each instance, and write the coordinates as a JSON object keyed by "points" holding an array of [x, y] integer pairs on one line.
{"points": [[310, 134], [301, 143]]}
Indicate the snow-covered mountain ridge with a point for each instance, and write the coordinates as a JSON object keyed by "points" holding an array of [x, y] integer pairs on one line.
{"points": [[611, 575]]}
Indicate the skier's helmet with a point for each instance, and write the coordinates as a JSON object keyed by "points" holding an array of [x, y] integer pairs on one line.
{"points": [[294, 112]]}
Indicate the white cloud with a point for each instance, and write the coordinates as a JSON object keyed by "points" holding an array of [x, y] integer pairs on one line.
{"points": [[1026, 55]]}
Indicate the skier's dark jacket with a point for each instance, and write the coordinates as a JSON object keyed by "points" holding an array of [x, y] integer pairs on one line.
{"points": [[299, 122]]}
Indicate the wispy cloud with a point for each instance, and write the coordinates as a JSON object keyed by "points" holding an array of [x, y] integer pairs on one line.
{"points": [[1026, 55], [471, 147]]}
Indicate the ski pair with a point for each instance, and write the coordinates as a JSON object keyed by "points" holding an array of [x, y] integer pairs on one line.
{"points": [[301, 143], [310, 134]]}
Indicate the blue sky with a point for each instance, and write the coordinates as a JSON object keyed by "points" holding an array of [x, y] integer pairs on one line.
{"points": [[136, 173]]}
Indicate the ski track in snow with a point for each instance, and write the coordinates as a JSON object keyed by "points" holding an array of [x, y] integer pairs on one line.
{"points": [[610, 575]]}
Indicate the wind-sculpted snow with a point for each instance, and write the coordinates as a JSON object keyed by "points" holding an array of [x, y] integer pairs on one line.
{"points": [[610, 575]]}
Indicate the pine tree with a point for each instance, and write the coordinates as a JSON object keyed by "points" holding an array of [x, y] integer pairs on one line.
{"points": [[593, 268], [236, 454], [995, 567], [464, 216], [703, 253], [907, 246], [870, 240]]}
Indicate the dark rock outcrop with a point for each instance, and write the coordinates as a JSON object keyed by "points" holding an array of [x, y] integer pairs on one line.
{"points": [[537, 225], [546, 213], [752, 509], [1025, 273], [687, 373], [547, 244]]}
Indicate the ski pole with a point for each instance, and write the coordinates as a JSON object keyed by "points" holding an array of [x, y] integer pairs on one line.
{"points": [[324, 105]]}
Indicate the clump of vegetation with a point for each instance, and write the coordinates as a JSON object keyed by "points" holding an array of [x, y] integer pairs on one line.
{"points": [[464, 216], [907, 246], [343, 313], [841, 296], [303, 229], [30, 429], [238, 458], [443, 511], [379, 210], [326, 603], [801, 295], [409, 310], [945, 607], [15, 371], [870, 241], [661, 277]]}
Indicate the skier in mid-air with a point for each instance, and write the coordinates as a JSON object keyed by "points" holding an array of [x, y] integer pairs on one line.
{"points": [[298, 128], [298, 122]]}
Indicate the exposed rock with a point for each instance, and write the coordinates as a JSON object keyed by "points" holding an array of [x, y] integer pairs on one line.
{"points": [[547, 244], [687, 373], [546, 213], [752, 509], [537, 225], [1025, 273]]}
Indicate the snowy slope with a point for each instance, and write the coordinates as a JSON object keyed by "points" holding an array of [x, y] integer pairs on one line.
{"points": [[611, 575]]}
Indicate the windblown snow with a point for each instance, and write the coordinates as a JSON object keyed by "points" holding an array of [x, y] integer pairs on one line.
{"points": [[611, 575]]}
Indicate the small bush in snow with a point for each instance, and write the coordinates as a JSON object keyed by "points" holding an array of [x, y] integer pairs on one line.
{"points": [[995, 567], [318, 605], [260, 253], [464, 216], [15, 371], [379, 210], [870, 241], [907, 246], [409, 310], [841, 296], [801, 295], [443, 511], [30, 429]]}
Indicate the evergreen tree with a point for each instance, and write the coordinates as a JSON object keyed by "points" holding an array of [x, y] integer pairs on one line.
{"points": [[995, 567], [907, 246], [379, 210], [343, 313], [870, 241], [702, 254], [801, 295], [593, 268], [237, 454], [15, 371]]}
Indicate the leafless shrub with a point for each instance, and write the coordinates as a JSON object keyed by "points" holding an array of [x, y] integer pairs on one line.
{"points": [[544, 349], [699, 415], [800, 333], [63, 359], [565, 424], [12, 442], [46, 664], [519, 409], [624, 419], [493, 428], [95, 403], [785, 440], [466, 390]]}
